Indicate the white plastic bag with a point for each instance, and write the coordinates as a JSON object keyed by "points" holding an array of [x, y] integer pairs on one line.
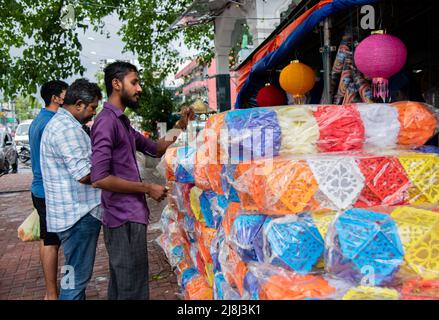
{"points": [[29, 230]]}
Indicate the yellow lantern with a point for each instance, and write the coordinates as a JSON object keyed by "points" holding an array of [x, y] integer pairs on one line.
{"points": [[297, 79]]}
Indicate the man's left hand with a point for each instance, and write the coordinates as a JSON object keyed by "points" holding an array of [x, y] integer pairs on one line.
{"points": [[187, 114]]}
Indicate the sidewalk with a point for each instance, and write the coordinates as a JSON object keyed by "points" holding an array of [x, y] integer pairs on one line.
{"points": [[21, 276]]}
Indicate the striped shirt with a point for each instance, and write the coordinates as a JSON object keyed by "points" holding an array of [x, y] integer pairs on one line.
{"points": [[65, 159]]}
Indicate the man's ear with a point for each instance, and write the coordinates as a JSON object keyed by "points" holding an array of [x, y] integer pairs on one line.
{"points": [[116, 84], [78, 104]]}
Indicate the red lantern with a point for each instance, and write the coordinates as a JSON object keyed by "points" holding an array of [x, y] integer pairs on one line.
{"points": [[270, 96]]}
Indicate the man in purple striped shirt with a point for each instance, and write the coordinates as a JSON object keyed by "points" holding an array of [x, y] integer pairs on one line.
{"points": [[115, 171]]}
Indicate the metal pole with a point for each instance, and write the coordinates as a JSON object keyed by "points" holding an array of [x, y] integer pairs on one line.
{"points": [[327, 59]]}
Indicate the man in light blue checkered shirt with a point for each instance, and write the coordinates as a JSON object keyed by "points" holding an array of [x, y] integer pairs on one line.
{"points": [[72, 204]]}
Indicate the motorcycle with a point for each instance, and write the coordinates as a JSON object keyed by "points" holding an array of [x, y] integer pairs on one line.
{"points": [[24, 153]]}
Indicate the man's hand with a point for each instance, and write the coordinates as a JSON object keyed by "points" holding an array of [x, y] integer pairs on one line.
{"points": [[187, 114], [155, 191]]}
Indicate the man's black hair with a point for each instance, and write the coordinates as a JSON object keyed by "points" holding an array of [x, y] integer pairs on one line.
{"points": [[83, 90], [52, 88], [117, 70]]}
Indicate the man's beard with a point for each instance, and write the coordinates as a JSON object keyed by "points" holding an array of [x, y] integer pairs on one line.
{"points": [[128, 101]]}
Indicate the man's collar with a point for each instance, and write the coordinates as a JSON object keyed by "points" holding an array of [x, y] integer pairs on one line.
{"points": [[68, 114], [115, 110]]}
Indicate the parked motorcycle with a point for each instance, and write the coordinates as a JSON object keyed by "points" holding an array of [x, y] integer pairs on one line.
{"points": [[24, 153]]}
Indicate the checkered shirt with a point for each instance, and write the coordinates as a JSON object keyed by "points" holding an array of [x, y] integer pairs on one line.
{"points": [[65, 159]]}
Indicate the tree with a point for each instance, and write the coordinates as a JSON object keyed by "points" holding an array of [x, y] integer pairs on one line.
{"points": [[49, 50], [25, 106]]}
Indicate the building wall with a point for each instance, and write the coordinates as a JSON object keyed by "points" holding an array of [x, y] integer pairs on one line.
{"points": [[211, 86]]}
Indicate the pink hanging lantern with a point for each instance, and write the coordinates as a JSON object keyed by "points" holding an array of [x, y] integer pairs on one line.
{"points": [[379, 57]]}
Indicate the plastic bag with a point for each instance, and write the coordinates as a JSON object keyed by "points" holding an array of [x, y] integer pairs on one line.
{"points": [[29, 230]]}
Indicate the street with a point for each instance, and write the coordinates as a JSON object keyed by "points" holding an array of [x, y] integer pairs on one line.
{"points": [[21, 276]]}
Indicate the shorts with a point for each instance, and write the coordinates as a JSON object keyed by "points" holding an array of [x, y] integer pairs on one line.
{"points": [[49, 238]]}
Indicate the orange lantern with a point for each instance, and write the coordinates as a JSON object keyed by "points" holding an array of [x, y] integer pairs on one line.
{"points": [[297, 79]]}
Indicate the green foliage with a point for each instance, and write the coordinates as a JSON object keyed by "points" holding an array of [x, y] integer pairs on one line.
{"points": [[48, 51], [156, 105], [24, 106]]}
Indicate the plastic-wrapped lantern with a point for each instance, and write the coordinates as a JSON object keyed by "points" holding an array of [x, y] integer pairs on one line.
{"points": [[270, 96], [298, 79], [379, 57]]}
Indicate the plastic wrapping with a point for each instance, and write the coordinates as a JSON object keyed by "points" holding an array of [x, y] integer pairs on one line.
{"points": [[251, 134], [194, 196], [206, 200], [416, 289], [247, 134], [197, 288], [246, 237], [300, 131], [338, 181], [293, 242], [419, 233], [364, 246], [380, 123], [306, 224], [371, 293], [184, 168], [418, 122], [275, 283], [29, 230], [233, 267], [223, 290]]}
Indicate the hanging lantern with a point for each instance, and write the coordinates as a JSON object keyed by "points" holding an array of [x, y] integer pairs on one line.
{"points": [[379, 57], [270, 96], [298, 79]]}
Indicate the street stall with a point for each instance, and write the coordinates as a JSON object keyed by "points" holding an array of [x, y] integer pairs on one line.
{"points": [[337, 199]]}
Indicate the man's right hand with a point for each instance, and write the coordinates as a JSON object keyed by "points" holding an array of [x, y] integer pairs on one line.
{"points": [[155, 191]]}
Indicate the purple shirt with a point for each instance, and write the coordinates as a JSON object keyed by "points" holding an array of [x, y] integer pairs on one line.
{"points": [[114, 145]]}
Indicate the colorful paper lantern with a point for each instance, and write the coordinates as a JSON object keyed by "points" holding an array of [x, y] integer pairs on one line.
{"points": [[295, 287], [270, 96], [415, 289], [386, 182], [300, 131], [293, 242], [341, 128], [418, 123], [366, 244], [298, 79], [379, 57], [245, 231], [371, 293], [252, 134]]}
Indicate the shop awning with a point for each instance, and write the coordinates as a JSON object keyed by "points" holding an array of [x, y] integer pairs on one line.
{"points": [[280, 49]]}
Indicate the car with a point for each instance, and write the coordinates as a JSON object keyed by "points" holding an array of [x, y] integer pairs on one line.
{"points": [[22, 133], [8, 153]]}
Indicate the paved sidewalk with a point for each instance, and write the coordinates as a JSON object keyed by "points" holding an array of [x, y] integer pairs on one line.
{"points": [[21, 275]]}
